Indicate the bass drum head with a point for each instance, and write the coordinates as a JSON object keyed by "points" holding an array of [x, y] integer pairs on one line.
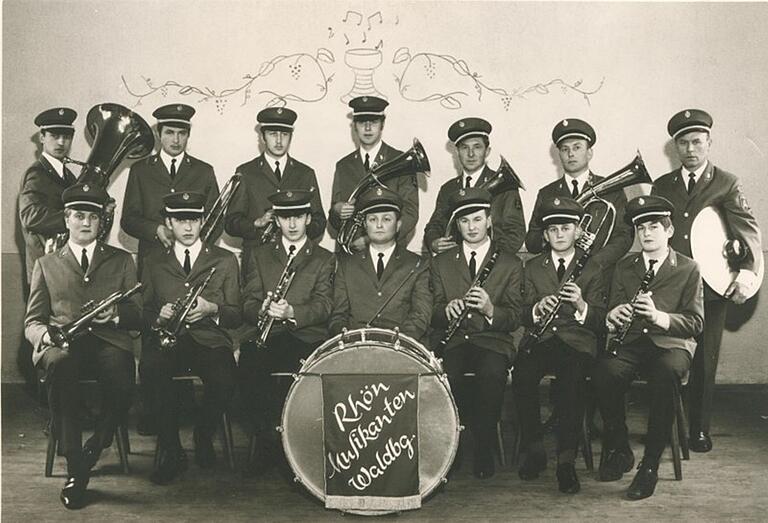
{"points": [[302, 419]]}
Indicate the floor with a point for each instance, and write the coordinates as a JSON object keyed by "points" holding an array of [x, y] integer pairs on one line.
{"points": [[730, 482]]}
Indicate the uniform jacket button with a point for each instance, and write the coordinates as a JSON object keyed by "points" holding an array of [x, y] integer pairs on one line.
{"points": [[469, 315], [554, 329], [645, 331], [466, 336], [685, 236], [378, 293], [173, 190], [685, 214], [86, 279], [186, 284]]}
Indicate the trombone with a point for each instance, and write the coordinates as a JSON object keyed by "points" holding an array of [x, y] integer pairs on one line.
{"points": [[220, 207]]}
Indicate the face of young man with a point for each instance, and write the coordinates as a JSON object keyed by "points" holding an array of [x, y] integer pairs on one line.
{"points": [[561, 236], [83, 226], [382, 227], [277, 142], [173, 140], [294, 228], [369, 131], [575, 155], [472, 153], [56, 144], [693, 149], [653, 236], [474, 227], [185, 231]]}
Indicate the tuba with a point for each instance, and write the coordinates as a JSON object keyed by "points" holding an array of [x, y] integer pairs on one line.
{"points": [[220, 207], [412, 161], [117, 133]]}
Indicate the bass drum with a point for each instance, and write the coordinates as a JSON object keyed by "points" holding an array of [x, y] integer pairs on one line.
{"points": [[370, 351]]}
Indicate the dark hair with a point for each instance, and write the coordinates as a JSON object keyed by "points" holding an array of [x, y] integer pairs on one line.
{"points": [[665, 222], [169, 124], [485, 139], [58, 131]]}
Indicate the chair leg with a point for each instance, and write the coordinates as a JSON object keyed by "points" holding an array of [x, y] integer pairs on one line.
{"points": [[228, 441], [123, 434], [676, 449], [252, 448], [682, 425], [587, 442], [50, 454], [157, 452], [121, 449], [500, 442]]}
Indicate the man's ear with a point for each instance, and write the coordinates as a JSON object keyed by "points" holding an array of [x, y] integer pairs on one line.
{"points": [[670, 231]]}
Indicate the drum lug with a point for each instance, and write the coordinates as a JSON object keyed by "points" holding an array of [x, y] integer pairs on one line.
{"points": [[279, 429], [396, 338], [362, 336], [295, 377], [443, 480], [296, 479], [461, 428]]}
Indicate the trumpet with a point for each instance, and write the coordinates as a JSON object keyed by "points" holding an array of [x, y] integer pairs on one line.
{"points": [[266, 321], [167, 331], [63, 336], [220, 207], [617, 340], [454, 325]]}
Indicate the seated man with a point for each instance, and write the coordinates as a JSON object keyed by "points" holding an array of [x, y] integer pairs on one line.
{"points": [[566, 347], [299, 315], [384, 285], [663, 324], [203, 346], [62, 282], [482, 344]]}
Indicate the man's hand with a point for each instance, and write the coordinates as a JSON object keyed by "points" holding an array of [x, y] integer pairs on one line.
{"points": [[454, 308], [360, 243], [478, 299], [572, 294], [202, 309], [110, 208], [545, 305], [166, 312], [619, 316], [736, 292], [281, 310], [165, 236], [264, 220], [443, 244], [47, 341], [106, 315], [645, 307], [345, 210]]}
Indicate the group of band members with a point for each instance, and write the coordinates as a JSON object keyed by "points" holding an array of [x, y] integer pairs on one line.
{"points": [[474, 281]]}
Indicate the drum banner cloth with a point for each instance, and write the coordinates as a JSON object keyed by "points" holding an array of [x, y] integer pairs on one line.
{"points": [[371, 443]]}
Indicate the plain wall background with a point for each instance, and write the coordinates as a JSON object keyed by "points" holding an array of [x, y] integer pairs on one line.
{"points": [[645, 62]]}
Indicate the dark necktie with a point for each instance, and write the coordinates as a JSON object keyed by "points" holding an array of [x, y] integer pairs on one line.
{"points": [[575, 191], [291, 250], [278, 174], [651, 263], [367, 163], [472, 265], [173, 168], [84, 261], [691, 183], [187, 262], [560, 269], [468, 182], [69, 178], [380, 265]]}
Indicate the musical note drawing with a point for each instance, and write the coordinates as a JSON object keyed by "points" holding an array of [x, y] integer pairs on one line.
{"points": [[380, 44], [354, 13], [330, 33], [365, 37], [397, 19], [346, 38], [374, 15]]}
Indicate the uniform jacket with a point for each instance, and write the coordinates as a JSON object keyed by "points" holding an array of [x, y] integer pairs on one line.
{"points": [[720, 189], [164, 282], [310, 293], [677, 290], [621, 238], [59, 289], [449, 277], [148, 181], [350, 170], [41, 210], [506, 212], [250, 201], [541, 280], [358, 294]]}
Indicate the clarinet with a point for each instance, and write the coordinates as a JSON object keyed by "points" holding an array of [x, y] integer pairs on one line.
{"points": [[266, 321], [617, 340], [480, 280]]}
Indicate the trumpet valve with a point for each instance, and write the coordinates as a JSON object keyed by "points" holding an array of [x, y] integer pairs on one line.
{"points": [[586, 240]]}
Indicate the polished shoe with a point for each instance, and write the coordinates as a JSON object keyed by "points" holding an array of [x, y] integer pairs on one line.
{"points": [[172, 463], [73, 494], [615, 463], [146, 426], [484, 466], [205, 456], [533, 465], [700, 442], [645, 480], [567, 480]]}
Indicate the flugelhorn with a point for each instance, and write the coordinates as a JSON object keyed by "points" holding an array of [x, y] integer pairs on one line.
{"points": [[220, 207], [168, 331], [266, 321]]}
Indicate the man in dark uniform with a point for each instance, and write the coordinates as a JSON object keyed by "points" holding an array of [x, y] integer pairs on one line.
{"points": [[384, 285], [172, 169], [299, 316], [566, 348], [41, 210], [203, 348], [470, 137], [692, 187], [663, 324], [368, 125], [62, 282], [482, 344], [251, 211]]}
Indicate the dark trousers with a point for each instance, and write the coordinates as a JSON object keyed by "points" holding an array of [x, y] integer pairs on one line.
{"points": [[704, 367], [87, 358], [215, 366], [612, 376], [570, 368], [262, 396], [479, 398]]}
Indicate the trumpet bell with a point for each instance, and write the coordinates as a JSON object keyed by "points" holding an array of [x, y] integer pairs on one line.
{"points": [[504, 179], [631, 174]]}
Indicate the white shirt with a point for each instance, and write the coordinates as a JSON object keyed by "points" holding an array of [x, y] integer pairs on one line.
{"points": [[475, 176], [696, 174], [578, 316], [581, 180], [167, 160], [480, 252], [77, 250], [57, 164], [375, 254], [372, 154], [194, 252], [299, 244], [662, 318], [272, 160]]}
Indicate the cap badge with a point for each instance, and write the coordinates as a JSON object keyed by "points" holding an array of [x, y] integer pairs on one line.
{"points": [[462, 192], [557, 201], [289, 194], [185, 196], [178, 108], [61, 112], [378, 191], [86, 188], [462, 124], [565, 123], [641, 201], [279, 110], [687, 114], [365, 99]]}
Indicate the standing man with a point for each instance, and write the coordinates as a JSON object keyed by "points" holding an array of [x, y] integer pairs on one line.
{"points": [[470, 137], [203, 345], [482, 344], [41, 210], [299, 316], [274, 170], [368, 126], [172, 170], [575, 140], [692, 187], [384, 285], [62, 282]]}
